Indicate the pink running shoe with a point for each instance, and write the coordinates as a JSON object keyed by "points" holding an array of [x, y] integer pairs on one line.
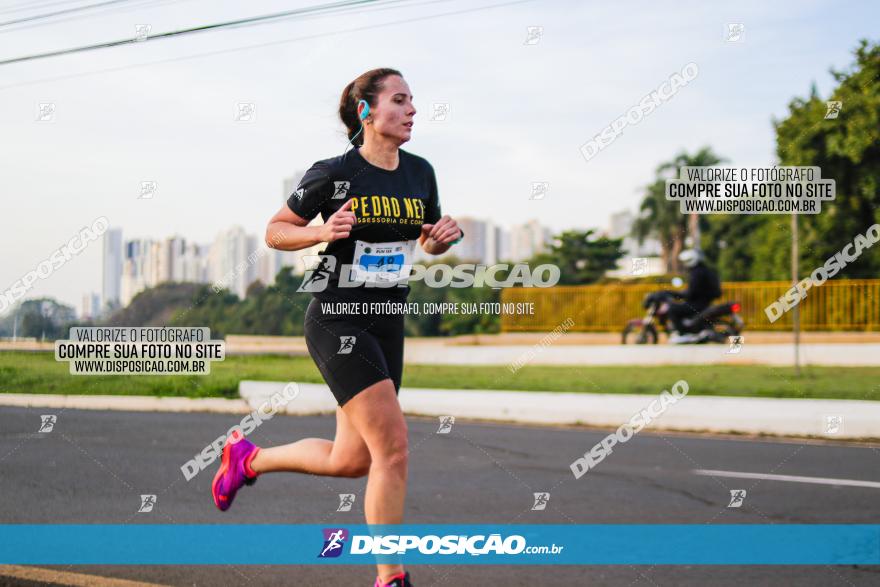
{"points": [[401, 580], [235, 470]]}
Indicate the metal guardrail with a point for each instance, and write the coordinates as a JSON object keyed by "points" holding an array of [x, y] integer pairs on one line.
{"points": [[846, 304]]}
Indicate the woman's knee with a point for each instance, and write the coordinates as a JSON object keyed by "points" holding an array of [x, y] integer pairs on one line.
{"points": [[354, 467], [376, 414], [394, 452]]}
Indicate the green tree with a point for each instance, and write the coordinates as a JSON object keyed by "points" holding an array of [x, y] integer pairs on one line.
{"points": [[847, 150], [452, 324], [42, 318], [156, 306], [660, 218], [580, 256], [728, 240]]}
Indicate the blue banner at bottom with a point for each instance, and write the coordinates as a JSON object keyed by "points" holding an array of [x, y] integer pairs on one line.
{"points": [[437, 544]]}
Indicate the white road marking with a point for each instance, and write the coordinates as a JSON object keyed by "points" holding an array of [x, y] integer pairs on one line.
{"points": [[793, 478], [65, 578]]}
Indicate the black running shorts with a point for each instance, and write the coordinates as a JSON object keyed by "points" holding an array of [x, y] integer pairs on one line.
{"points": [[354, 351]]}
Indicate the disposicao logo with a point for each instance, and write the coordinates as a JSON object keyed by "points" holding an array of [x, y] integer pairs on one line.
{"points": [[334, 542]]}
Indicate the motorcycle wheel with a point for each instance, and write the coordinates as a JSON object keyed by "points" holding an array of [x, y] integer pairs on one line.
{"points": [[728, 329], [646, 335]]}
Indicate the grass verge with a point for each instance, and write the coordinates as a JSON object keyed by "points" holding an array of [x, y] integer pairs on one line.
{"points": [[38, 372]]}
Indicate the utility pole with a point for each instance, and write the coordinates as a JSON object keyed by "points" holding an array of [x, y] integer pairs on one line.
{"points": [[694, 229], [796, 315]]}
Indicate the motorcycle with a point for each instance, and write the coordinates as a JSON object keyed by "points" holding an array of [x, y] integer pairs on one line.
{"points": [[714, 324]]}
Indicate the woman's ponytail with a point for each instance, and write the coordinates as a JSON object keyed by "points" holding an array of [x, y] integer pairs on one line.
{"points": [[364, 87]]}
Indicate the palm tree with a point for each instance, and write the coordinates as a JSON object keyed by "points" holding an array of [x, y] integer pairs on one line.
{"points": [[661, 218]]}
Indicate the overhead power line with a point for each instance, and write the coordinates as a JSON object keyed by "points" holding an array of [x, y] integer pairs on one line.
{"points": [[191, 30], [60, 12], [266, 44], [27, 6], [95, 13]]}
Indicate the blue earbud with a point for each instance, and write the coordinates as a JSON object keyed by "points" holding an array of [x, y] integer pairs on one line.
{"points": [[363, 115]]}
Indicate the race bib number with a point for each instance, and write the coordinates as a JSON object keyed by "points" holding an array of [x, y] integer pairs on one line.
{"points": [[382, 262]]}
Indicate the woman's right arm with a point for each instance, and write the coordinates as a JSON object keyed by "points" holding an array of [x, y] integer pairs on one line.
{"points": [[288, 231]]}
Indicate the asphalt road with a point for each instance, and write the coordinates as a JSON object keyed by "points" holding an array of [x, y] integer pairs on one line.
{"points": [[93, 467]]}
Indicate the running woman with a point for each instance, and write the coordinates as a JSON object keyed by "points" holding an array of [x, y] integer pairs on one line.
{"points": [[377, 201]]}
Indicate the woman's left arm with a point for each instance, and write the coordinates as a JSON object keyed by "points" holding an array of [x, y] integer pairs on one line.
{"points": [[437, 238]]}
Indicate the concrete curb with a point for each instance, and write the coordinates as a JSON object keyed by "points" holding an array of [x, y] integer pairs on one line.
{"points": [[135, 403], [780, 417]]}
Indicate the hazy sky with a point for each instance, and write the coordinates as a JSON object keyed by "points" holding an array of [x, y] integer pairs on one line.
{"points": [[518, 112]]}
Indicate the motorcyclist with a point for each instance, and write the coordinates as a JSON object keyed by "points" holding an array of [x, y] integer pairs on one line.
{"points": [[703, 287]]}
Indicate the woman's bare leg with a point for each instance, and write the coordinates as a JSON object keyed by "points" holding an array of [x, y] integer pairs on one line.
{"points": [[345, 456], [376, 414], [371, 437]]}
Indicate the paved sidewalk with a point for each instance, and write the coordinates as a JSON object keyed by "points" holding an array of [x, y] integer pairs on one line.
{"points": [[831, 419], [848, 355]]}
